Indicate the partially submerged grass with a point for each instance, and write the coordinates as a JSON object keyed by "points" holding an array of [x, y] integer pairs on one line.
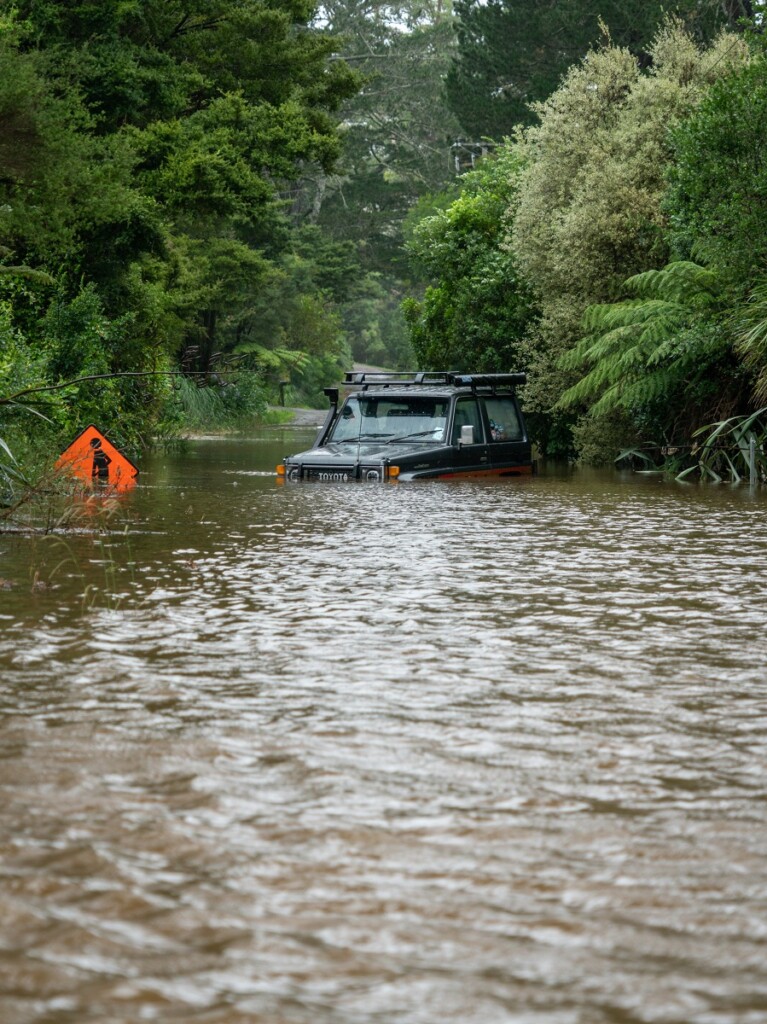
{"points": [[722, 453]]}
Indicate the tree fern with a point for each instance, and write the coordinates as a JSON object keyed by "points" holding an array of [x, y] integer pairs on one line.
{"points": [[643, 349]]}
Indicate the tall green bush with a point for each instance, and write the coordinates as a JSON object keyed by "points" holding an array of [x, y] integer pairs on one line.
{"points": [[589, 212], [475, 309]]}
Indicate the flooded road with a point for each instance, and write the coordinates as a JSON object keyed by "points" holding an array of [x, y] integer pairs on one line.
{"points": [[346, 754]]}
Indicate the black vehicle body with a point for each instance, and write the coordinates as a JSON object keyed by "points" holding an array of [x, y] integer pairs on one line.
{"points": [[418, 426]]}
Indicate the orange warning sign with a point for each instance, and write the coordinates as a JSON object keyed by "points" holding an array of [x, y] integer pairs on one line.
{"points": [[95, 460]]}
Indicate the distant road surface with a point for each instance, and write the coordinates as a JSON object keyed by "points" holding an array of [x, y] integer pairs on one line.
{"points": [[316, 417]]}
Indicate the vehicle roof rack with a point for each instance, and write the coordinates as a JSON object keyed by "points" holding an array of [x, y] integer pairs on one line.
{"points": [[412, 378]]}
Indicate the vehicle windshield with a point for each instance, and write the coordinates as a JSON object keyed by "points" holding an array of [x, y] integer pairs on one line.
{"points": [[391, 418]]}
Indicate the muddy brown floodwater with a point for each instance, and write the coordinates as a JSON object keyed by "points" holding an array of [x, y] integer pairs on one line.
{"points": [[488, 753]]}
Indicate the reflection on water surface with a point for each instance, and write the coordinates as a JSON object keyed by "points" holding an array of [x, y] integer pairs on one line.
{"points": [[436, 752]]}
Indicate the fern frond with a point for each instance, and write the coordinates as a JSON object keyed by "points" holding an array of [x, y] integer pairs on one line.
{"points": [[683, 282], [640, 349], [648, 389], [610, 400]]}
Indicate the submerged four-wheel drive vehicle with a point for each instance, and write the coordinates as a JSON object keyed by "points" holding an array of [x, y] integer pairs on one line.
{"points": [[418, 425]]}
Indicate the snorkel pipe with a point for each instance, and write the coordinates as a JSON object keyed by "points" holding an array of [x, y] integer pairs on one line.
{"points": [[332, 394]]}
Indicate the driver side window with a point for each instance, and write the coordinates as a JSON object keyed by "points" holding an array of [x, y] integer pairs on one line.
{"points": [[467, 414]]}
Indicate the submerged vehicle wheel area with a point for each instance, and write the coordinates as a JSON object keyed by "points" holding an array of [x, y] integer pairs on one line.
{"points": [[410, 426]]}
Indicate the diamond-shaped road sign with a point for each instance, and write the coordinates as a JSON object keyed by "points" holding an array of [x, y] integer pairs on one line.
{"points": [[95, 460]]}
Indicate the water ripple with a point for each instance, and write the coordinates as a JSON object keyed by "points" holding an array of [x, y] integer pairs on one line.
{"points": [[468, 752]]}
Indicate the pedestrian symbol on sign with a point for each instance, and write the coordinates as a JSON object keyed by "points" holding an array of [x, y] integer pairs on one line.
{"points": [[101, 461]]}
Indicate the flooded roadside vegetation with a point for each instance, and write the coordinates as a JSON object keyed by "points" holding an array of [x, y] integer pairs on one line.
{"points": [[460, 751]]}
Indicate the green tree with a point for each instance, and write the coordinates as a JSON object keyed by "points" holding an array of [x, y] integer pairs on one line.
{"points": [[62, 186], [397, 130], [590, 207], [512, 53], [475, 313], [397, 133], [717, 201], [159, 139]]}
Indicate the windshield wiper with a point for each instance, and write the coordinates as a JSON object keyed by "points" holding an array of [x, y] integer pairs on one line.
{"points": [[359, 437], [420, 433]]}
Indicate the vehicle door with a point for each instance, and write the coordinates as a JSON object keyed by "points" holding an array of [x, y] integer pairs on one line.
{"points": [[469, 457], [509, 447]]}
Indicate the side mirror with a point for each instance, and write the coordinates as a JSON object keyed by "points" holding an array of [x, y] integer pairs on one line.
{"points": [[467, 436]]}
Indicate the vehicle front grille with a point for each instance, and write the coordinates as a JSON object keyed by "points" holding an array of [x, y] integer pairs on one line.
{"points": [[334, 474], [338, 474]]}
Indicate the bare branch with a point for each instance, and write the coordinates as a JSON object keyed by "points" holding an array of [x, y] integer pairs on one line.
{"points": [[11, 399]]}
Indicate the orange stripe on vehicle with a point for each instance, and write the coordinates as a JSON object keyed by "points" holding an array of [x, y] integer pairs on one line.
{"points": [[507, 471]]}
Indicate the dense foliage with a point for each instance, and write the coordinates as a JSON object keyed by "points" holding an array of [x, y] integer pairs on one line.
{"points": [[479, 309], [397, 136], [633, 223], [590, 212], [145, 152], [512, 53], [252, 187], [691, 350]]}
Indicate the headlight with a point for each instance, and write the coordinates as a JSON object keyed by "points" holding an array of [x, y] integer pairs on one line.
{"points": [[373, 475]]}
